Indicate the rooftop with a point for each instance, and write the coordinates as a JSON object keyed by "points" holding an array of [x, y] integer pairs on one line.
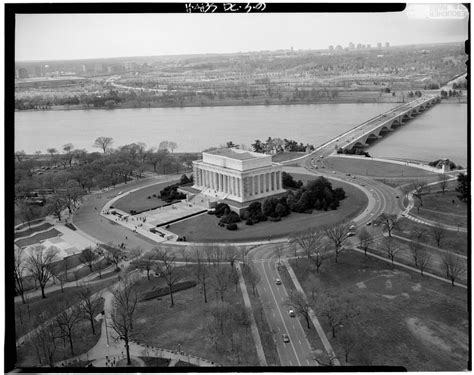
{"points": [[235, 153]]}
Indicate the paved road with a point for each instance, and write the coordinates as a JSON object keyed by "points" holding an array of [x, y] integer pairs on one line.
{"points": [[87, 218], [297, 352]]}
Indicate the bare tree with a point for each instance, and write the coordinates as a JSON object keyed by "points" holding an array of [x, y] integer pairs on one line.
{"points": [[423, 260], [364, 239], [390, 248], [19, 268], [298, 302], [66, 320], [104, 143], [112, 255], [124, 302], [438, 233], [89, 304], [220, 281], [231, 254], [38, 263], [307, 239], [202, 275], [389, 222], [313, 285], [420, 188], [443, 181], [338, 310], [279, 252], [338, 234], [318, 258], [146, 263], [172, 146], [347, 340], [453, 266], [166, 267], [251, 276]]}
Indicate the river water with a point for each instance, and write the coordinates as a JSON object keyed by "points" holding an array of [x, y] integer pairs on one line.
{"points": [[198, 128]]}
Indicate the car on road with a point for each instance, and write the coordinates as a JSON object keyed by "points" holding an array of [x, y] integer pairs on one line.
{"points": [[369, 223], [350, 234], [348, 174], [286, 338], [278, 282], [334, 172], [291, 313]]}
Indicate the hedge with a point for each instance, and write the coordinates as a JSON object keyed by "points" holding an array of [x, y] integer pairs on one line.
{"points": [[163, 291]]}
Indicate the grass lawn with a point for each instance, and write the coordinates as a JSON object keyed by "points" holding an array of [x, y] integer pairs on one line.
{"points": [[139, 201], [26, 314], [455, 241], [38, 237], [204, 228], [189, 324], [404, 319], [283, 156], [369, 167], [28, 232], [440, 207], [83, 340]]}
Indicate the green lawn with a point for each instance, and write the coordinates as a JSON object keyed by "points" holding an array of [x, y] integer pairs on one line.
{"points": [[139, 201], [188, 323], [28, 232], [404, 319], [368, 167], [204, 228]]}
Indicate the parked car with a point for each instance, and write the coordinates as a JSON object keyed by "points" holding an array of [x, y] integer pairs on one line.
{"points": [[278, 282], [369, 223], [286, 338], [291, 313], [350, 234]]}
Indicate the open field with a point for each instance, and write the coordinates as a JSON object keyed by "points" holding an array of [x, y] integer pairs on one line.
{"points": [[190, 324], [372, 168], [204, 228], [139, 201], [404, 319]]}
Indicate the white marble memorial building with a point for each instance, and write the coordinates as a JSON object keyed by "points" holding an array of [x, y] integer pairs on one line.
{"points": [[238, 175]]}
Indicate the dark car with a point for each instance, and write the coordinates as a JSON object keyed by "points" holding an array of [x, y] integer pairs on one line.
{"points": [[286, 338]]}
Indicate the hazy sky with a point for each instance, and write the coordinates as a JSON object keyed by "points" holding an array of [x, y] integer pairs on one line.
{"points": [[77, 36]]}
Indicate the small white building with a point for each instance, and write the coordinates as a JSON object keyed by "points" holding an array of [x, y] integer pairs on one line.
{"points": [[237, 175]]}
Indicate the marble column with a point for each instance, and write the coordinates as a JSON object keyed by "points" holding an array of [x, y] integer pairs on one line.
{"points": [[241, 187]]}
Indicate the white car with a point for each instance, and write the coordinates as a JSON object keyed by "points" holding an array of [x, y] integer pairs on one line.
{"points": [[291, 313], [278, 282]]}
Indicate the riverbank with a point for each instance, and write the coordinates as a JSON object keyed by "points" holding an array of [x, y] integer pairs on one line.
{"points": [[230, 103]]}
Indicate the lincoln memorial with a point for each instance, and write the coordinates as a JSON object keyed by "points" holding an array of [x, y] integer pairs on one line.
{"points": [[238, 175]]}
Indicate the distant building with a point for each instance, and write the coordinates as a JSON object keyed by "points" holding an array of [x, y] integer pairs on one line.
{"points": [[38, 71], [379, 45], [351, 45], [339, 48], [331, 48], [387, 44], [359, 46], [368, 46]]}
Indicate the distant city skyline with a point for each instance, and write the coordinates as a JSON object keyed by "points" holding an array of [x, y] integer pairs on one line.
{"points": [[43, 37]]}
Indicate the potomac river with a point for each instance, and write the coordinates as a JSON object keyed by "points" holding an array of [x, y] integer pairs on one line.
{"points": [[440, 132]]}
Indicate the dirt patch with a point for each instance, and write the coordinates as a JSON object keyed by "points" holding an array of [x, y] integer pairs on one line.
{"points": [[406, 295], [388, 284], [389, 297], [361, 285], [416, 287]]}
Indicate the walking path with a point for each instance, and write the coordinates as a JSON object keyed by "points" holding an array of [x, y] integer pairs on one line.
{"points": [[253, 325], [314, 319]]}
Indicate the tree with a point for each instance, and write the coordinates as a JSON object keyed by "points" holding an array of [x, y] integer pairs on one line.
{"points": [[338, 310], [423, 260], [251, 276], [164, 146], [19, 268], [103, 143], [220, 281], [389, 222], [308, 239], [55, 205], [112, 255], [52, 152], [318, 258], [390, 248], [67, 148], [420, 188], [87, 258], [166, 267], [443, 181], [364, 239], [89, 305], [338, 234], [124, 302], [297, 301], [347, 340], [230, 254], [438, 233], [66, 321], [172, 146], [38, 264], [463, 187], [146, 263], [279, 252], [202, 275], [453, 266]]}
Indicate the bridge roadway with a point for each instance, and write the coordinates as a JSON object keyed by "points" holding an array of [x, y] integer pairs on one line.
{"points": [[375, 124]]}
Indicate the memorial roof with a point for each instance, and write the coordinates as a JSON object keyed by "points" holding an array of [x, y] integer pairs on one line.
{"points": [[236, 154]]}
